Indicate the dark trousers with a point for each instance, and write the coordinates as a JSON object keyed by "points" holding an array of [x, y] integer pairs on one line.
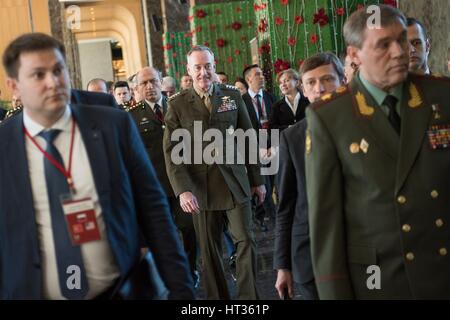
{"points": [[185, 225], [308, 290], [209, 229]]}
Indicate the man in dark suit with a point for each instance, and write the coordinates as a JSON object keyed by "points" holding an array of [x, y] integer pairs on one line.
{"points": [[377, 166], [81, 189], [259, 104], [149, 118], [320, 74]]}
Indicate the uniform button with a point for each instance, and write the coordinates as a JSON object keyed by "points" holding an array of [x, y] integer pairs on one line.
{"points": [[401, 200], [410, 256], [145, 130], [406, 228], [439, 223], [443, 251], [434, 194]]}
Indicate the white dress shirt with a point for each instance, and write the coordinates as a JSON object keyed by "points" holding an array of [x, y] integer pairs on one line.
{"points": [[255, 106], [152, 105], [101, 268], [296, 101]]}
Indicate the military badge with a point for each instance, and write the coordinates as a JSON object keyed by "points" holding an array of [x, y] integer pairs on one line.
{"points": [[227, 105], [436, 111], [354, 147], [439, 136], [415, 98], [363, 107], [326, 97], [341, 89], [364, 145], [308, 142]]}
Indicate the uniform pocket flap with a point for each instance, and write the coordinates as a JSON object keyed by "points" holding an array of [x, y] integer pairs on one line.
{"points": [[362, 255]]}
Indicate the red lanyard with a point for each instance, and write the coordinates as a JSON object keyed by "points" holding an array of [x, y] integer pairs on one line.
{"points": [[60, 166]]}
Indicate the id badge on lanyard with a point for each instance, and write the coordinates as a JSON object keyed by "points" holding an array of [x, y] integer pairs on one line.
{"points": [[80, 219]]}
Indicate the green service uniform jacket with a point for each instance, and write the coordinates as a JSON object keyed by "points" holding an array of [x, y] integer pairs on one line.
{"points": [[216, 186], [152, 131], [379, 199]]}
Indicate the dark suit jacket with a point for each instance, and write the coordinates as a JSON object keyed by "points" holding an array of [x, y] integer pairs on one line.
{"points": [[92, 98], [152, 133], [292, 248], [131, 198], [281, 115], [269, 100]]}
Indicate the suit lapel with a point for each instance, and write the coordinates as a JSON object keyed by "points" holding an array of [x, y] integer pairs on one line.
{"points": [[20, 187], [372, 119], [251, 109], [267, 102], [415, 119], [95, 148], [18, 162]]}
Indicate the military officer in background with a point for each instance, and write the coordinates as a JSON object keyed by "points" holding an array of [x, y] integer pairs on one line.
{"points": [[377, 168], [208, 191], [148, 115]]}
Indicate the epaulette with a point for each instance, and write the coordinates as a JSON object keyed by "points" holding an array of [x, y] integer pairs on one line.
{"points": [[328, 97], [177, 94], [434, 76], [132, 107], [12, 112], [229, 86]]}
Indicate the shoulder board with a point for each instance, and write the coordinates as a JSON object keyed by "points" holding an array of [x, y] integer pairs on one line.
{"points": [[434, 76], [228, 86], [328, 97], [134, 106], [179, 93]]}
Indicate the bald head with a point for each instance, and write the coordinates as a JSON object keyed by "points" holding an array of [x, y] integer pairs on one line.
{"points": [[149, 84]]}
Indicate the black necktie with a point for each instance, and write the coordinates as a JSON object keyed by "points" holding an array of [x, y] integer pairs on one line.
{"points": [[158, 113], [393, 117], [258, 106], [67, 255]]}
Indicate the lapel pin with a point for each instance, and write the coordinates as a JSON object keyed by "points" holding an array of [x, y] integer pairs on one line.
{"points": [[364, 145], [354, 147], [436, 110]]}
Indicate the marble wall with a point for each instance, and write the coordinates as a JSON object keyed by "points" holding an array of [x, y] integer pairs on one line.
{"points": [[434, 16]]}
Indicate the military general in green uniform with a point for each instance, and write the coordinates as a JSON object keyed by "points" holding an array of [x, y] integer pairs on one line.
{"points": [[148, 115], [208, 190], [377, 169]]}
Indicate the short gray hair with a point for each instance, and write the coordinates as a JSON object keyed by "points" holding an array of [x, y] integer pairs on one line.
{"points": [[200, 48], [169, 81], [356, 25]]}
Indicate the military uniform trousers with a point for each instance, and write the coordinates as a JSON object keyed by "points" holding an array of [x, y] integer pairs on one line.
{"points": [[209, 226]]}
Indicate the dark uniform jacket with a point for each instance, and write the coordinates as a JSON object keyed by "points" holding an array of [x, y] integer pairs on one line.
{"points": [[376, 198], [152, 132], [216, 186]]}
